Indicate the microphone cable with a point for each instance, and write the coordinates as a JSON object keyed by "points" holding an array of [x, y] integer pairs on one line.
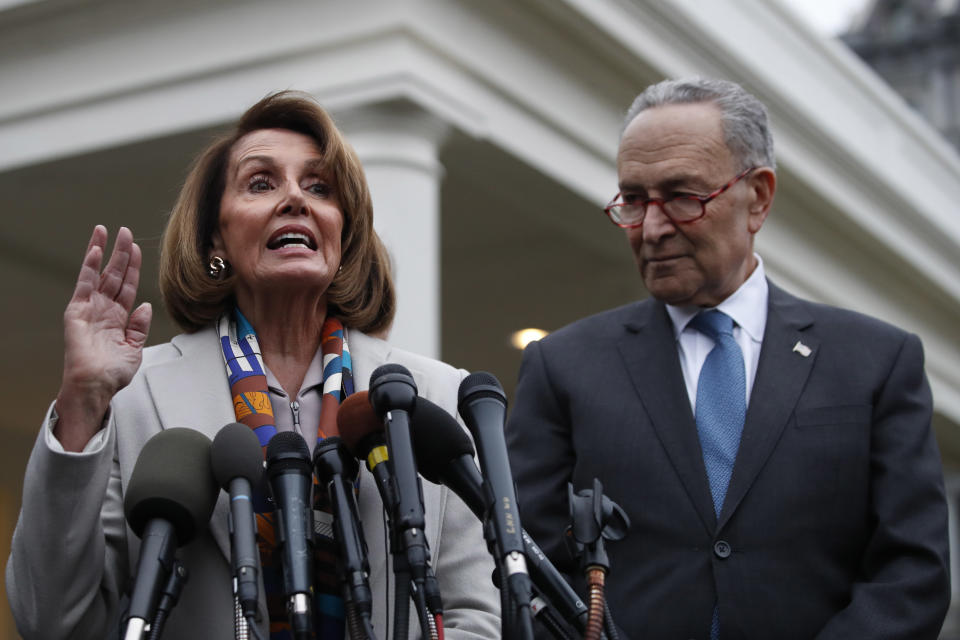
{"points": [[244, 627], [608, 626]]}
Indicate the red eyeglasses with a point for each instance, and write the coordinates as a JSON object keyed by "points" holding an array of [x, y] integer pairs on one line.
{"points": [[631, 211]]}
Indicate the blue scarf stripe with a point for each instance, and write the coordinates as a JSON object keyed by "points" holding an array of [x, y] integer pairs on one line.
{"points": [[264, 433], [347, 382], [333, 367], [234, 367], [244, 328], [252, 357]]}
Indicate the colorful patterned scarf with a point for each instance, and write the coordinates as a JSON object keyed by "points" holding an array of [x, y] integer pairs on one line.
{"points": [[251, 404]]}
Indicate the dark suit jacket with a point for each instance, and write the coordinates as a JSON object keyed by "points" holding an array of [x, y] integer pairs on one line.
{"points": [[835, 521]]}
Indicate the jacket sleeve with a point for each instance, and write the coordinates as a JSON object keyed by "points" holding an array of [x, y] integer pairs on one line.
{"points": [[542, 458], [904, 588], [68, 554]]}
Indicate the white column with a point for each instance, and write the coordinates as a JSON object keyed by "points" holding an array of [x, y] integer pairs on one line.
{"points": [[398, 145]]}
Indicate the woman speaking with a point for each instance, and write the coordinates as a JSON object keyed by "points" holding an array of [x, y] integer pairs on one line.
{"points": [[270, 246]]}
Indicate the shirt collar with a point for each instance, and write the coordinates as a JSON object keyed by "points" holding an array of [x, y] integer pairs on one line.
{"points": [[313, 377], [747, 306]]}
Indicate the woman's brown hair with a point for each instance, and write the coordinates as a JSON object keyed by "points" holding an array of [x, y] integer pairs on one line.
{"points": [[362, 293]]}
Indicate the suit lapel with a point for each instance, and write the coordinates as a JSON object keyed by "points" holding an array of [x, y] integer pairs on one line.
{"points": [[192, 391], [781, 374], [366, 354], [649, 352]]}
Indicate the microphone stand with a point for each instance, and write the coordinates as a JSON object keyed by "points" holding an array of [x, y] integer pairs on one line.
{"points": [[505, 603], [434, 604], [158, 542], [407, 590], [547, 615], [168, 598], [519, 591], [401, 582], [516, 620], [401, 569], [594, 517], [401, 572]]}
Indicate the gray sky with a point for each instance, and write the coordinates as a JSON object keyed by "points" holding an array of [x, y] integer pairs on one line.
{"points": [[829, 17]]}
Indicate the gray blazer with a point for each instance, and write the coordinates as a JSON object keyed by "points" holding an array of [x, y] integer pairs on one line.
{"points": [[73, 555]]}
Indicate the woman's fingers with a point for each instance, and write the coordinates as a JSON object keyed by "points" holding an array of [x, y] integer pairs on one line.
{"points": [[98, 237], [96, 292], [131, 278], [111, 280], [89, 277], [139, 325], [121, 276]]}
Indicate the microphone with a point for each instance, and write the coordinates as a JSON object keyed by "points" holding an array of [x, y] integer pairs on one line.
{"points": [[237, 460], [290, 475], [483, 406], [445, 454], [337, 471], [393, 395], [169, 499], [363, 434]]}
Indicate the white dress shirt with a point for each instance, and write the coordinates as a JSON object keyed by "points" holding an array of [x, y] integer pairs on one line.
{"points": [[748, 308]]}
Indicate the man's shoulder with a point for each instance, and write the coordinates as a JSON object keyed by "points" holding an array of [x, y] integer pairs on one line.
{"points": [[828, 318], [604, 323]]}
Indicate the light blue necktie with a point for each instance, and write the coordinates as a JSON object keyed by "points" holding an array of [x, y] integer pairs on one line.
{"points": [[721, 408], [721, 401]]}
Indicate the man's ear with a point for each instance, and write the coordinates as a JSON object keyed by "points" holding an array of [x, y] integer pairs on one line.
{"points": [[763, 184]]}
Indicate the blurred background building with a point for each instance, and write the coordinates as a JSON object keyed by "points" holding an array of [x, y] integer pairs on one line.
{"points": [[915, 46], [489, 132]]}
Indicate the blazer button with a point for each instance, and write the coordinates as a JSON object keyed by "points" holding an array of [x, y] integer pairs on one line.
{"points": [[722, 549]]}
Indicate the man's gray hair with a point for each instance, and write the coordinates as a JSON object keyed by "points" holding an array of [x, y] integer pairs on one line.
{"points": [[745, 127]]}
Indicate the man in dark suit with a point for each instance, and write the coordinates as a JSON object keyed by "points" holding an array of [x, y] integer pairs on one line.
{"points": [[779, 472]]}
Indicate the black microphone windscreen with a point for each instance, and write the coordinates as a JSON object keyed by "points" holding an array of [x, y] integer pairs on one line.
{"points": [[437, 439], [386, 369], [480, 385], [172, 480], [236, 453], [356, 420], [285, 450], [392, 388]]}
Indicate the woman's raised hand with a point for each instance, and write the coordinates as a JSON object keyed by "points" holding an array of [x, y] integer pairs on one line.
{"points": [[103, 340]]}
